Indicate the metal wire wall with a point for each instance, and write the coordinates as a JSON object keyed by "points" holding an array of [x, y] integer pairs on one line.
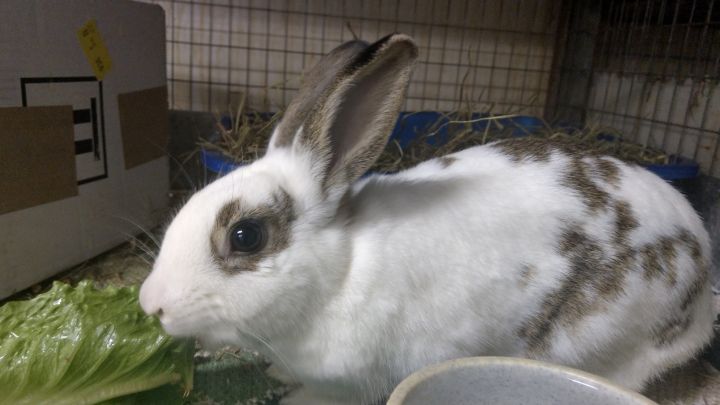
{"points": [[655, 75], [490, 55]]}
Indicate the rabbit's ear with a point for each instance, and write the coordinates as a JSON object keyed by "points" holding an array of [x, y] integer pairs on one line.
{"points": [[315, 84], [350, 127], [350, 122]]}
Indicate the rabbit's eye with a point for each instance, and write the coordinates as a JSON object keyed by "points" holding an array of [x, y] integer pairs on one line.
{"points": [[247, 236]]}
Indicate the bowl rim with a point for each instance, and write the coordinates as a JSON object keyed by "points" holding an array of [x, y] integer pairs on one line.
{"points": [[401, 392]]}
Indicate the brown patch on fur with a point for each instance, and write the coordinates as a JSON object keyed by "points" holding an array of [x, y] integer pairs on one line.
{"points": [[608, 171], [227, 213], [519, 149], [592, 281], [694, 289], [660, 258], [446, 161], [667, 249], [595, 276], [621, 264], [675, 325], [578, 179], [577, 294], [668, 252], [693, 246], [277, 218], [670, 330], [650, 262], [578, 176], [625, 222]]}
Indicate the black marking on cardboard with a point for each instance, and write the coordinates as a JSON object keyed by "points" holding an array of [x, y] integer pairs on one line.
{"points": [[94, 109]]}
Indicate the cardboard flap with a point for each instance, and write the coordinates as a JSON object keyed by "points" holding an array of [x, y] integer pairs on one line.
{"points": [[144, 124], [37, 156]]}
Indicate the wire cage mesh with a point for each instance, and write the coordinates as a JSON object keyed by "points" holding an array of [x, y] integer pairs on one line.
{"points": [[653, 69], [648, 68], [497, 53]]}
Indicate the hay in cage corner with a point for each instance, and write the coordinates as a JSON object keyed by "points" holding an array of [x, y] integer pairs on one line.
{"points": [[242, 136]]}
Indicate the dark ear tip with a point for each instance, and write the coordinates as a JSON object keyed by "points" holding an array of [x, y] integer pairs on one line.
{"points": [[356, 43], [401, 41]]}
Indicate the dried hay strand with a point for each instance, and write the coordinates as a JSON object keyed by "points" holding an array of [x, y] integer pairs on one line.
{"points": [[248, 137]]}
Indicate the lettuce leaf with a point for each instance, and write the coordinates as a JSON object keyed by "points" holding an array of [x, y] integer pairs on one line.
{"points": [[81, 345]]}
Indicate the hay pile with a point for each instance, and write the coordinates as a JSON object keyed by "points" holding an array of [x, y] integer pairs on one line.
{"points": [[461, 135], [247, 138], [243, 138]]}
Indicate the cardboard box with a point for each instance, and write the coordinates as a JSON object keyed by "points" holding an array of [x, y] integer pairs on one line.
{"points": [[83, 131]]}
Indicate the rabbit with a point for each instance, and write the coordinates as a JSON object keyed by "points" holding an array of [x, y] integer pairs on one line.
{"points": [[349, 283]]}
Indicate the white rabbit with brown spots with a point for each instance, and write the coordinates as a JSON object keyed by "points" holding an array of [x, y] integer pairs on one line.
{"points": [[517, 248]]}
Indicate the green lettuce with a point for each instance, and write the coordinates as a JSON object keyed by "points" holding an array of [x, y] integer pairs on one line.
{"points": [[81, 345]]}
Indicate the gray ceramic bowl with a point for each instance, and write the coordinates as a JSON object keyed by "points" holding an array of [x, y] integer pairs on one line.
{"points": [[504, 380]]}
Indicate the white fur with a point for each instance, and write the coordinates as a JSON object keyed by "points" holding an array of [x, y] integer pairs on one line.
{"points": [[427, 271], [428, 268]]}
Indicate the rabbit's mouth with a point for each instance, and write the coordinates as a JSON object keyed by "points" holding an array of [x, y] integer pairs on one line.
{"points": [[178, 326]]}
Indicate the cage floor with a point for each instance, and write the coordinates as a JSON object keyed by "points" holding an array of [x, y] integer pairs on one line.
{"points": [[235, 376]]}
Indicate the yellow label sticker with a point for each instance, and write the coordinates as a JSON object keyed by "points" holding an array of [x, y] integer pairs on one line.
{"points": [[94, 48]]}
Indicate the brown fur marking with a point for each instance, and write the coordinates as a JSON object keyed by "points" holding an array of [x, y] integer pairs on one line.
{"points": [[593, 279], [575, 297], [526, 149], [660, 258], [694, 289], [667, 249], [673, 328], [578, 178], [608, 170], [277, 217], [625, 222], [446, 161], [227, 213], [650, 262], [693, 246], [668, 252]]}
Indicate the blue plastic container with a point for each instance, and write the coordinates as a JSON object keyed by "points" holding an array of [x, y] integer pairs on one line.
{"points": [[679, 168], [217, 162], [410, 124]]}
